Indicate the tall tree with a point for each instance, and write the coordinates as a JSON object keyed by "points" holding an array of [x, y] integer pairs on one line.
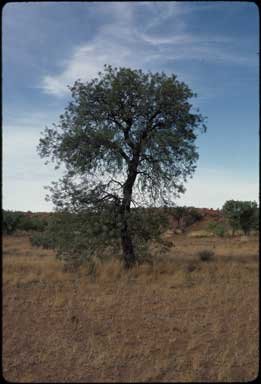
{"points": [[231, 210], [241, 214], [127, 137]]}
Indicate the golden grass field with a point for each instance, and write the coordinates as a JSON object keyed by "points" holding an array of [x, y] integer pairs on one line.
{"points": [[180, 320]]}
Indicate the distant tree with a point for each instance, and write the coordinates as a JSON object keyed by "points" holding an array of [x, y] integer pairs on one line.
{"points": [[10, 221], [126, 138], [248, 216], [241, 214], [231, 210], [194, 215], [256, 220], [179, 214]]}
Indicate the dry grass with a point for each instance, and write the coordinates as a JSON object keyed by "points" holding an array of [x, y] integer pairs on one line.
{"points": [[179, 320]]}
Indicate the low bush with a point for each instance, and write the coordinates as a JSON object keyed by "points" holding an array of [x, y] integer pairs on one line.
{"points": [[27, 223], [206, 255], [42, 239], [10, 221], [195, 214], [217, 229], [13, 221]]}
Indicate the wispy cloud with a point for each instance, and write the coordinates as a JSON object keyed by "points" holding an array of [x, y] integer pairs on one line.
{"points": [[188, 38], [123, 42]]}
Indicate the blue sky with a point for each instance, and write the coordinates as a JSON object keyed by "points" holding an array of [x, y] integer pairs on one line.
{"points": [[212, 46]]}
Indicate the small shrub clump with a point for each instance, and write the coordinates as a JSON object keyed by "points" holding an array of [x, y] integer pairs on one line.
{"points": [[217, 229], [195, 215], [206, 255]]}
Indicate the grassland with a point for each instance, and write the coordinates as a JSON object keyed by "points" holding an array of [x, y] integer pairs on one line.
{"points": [[180, 320]]}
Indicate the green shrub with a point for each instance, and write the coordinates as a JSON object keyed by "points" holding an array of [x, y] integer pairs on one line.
{"points": [[195, 214], [217, 229], [206, 255], [42, 239], [10, 222], [27, 223], [242, 215], [13, 221]]}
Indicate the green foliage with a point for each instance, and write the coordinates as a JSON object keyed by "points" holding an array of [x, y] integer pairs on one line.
{"points": [[231, 210], [42, 239], [186, 216], [13, 221], [122, 116], [218, 229], [256, 220], [78, 238], [248, 216], [195, 214], [125, 134], [27, 223], [10, 222], [180, 212], [241, 215], [147, 226]]}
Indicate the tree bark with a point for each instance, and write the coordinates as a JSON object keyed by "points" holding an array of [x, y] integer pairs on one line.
{"points": [[129, 256], [126, 238]]}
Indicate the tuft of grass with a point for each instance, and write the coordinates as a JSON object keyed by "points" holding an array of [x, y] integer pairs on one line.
{"points": [[206, 255], [191, 267]]}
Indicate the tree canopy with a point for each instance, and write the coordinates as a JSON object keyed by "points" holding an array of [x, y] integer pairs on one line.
{"points": [[127, 138], [241, 215]]}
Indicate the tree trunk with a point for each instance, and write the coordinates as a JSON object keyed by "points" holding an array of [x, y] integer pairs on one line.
{"points": [[126, 239], [127, 246]]}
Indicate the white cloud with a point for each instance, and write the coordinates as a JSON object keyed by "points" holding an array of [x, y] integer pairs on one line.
{"points": [[88, 59], [121, 42]]}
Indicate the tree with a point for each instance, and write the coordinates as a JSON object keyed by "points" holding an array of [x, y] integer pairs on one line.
{"points": [[127, 138], [256, 220], [248, 216], [179, 215], [241, 214], [231, 210], [10, 221]]}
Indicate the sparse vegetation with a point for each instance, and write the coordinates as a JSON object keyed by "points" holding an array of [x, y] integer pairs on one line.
{"points": [[186, 216], [163, 322], [206, 255], [217, 229]]}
